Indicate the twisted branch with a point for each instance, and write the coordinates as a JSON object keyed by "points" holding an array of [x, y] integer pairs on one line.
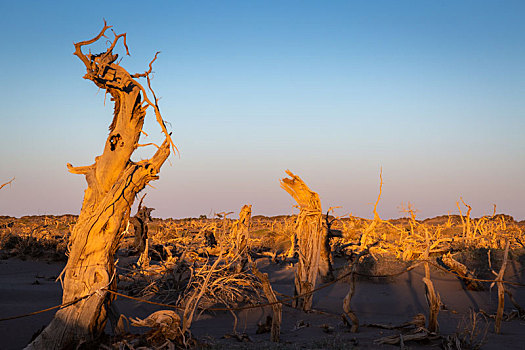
{"points": [[7, 183], [107, 58]]}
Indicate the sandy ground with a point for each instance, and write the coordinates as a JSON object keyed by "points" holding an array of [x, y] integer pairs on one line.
{"points": [[27, 286]]}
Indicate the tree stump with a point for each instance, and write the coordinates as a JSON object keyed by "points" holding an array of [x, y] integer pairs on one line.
{"points": [[310, 240], [239, 230], [140, 224]]}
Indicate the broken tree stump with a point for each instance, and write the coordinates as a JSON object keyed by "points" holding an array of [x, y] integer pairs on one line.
{"points": [[326, 249], [239, 232], [140, 225], [310, 239]]}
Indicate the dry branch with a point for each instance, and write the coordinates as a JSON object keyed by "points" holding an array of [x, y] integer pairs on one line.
{"points": [[432, 297], [193, 301], [365, 237], [7, 183], [347, 309], [462, 271]]}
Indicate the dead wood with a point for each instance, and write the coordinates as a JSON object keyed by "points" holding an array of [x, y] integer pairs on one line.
{"points": [[276, 307], [219, 282], [418, 321], [471, 333], [310, 238], [193, 301], [140, 224], [163, 324], [326, 248], [466, 221], [113, 182], [434, 304], [432, 297], [366, 238], [144, 259], [239, 232], [521, 311], [501, 290], [462, 271], [418, 334], [7, 183], [353, 323], [264, 327], [348, 313]]}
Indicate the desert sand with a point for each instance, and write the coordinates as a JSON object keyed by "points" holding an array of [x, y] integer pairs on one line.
{"points": [[29, 285]]}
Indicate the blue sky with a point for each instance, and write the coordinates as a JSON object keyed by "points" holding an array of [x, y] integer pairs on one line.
{"points": [[431, 91]]}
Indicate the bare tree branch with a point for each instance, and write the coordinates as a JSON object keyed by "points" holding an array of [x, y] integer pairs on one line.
{"points": [[7, 183], [145, 74], [78, 46]]}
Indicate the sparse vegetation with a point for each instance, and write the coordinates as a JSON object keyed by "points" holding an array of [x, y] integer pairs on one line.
{"points": [[194, 274]]}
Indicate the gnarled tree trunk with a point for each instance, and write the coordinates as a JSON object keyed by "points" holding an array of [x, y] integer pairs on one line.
{"points": [[310, 239], [113, 182]]}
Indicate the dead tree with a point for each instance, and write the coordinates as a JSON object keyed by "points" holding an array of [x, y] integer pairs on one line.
{"points": [[113, 182], [239, 230], [140, 224], [326, 248], [310, 239]]}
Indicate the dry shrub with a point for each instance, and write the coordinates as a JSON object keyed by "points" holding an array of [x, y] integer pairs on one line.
{"points": [[194, 276], [471, 333], [229, 283], [43, 237], [12, 245]]}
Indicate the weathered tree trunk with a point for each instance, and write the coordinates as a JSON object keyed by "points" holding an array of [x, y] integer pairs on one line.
{"points": [[140, 225], [326, 255], [310, 239], [326, 249], [113, 182], [239, 230], [293, 246]]}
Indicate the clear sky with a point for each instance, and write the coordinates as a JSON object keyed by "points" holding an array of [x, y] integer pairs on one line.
{"points": [[431, 91]]}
